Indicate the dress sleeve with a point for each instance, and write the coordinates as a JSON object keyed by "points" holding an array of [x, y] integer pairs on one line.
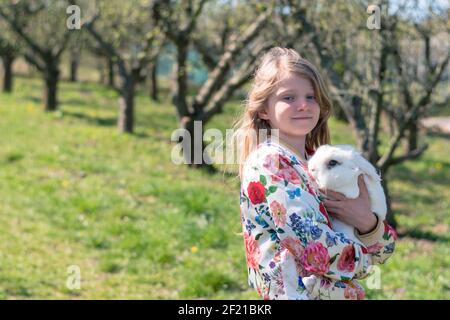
{"points": [[288, 240], [379, 243]]}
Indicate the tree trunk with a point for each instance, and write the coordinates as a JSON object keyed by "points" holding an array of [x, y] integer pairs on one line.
{"points": [[180, 84], [194, 146], [390, 216], [126, 105], [154, 81], [74, 63], [193, 143], [8, 61], [411, 142], [338, 112], [101, 70], [51, 89], [111, 72]]}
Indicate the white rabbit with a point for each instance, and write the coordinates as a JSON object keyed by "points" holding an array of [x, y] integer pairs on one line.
{"points": [[337, 168]]}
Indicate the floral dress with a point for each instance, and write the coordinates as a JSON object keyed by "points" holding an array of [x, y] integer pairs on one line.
{"points": [[289, 237]]}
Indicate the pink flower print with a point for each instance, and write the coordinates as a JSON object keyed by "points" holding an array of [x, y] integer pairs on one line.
{"points": [[252, 251], [389, 231], [353, 291], [315, 258], [375, 248], [294, 247], [278, 213], [346, 260], [281, 168]]}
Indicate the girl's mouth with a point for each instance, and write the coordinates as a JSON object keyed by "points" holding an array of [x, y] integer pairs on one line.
{"points": [[302, 118]]}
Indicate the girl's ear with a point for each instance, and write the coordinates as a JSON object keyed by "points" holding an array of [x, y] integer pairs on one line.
{"points": [[263, 115], [366, 167]]}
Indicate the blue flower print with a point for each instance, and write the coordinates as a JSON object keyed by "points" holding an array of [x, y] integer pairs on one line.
{"points": [[316, 232], [389, 248], [331, 240]]}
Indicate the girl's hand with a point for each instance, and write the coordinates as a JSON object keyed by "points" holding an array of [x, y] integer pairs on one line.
{"points": [[355, 212]]}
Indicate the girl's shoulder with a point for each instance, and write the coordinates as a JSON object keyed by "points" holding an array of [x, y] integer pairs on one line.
{"points": [[274, 146], [274, 162], [263, 149], [269, 157]]}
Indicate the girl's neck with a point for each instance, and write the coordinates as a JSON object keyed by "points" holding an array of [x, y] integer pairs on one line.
{"points": [[296, 144]]}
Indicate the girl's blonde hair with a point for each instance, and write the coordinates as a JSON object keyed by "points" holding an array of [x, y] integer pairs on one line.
{"points": [[276, 63]]}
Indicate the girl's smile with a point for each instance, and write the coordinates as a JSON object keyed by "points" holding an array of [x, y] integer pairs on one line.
{"points": [[301, 118]]}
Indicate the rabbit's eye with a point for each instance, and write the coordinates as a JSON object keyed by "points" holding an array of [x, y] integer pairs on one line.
{"points": [[332, 163]]}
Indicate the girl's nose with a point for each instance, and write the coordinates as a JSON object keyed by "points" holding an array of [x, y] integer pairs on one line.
{"points": [[302, 104]]}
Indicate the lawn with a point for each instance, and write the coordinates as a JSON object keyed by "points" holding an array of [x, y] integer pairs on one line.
{"points": [[75, 192]]}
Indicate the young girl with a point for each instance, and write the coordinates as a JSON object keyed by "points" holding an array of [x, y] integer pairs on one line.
{"points": [[292, 251]]}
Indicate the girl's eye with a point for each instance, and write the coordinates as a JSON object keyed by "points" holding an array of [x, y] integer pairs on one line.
{"points": [[311, 97], [289, 98]]}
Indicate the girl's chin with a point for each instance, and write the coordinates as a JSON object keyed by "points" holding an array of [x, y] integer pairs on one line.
{"points": [[297, 133], [302, 123], [301, 132]]}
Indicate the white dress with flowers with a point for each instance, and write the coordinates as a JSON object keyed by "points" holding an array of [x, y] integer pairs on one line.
{"points": [[288, 235]]}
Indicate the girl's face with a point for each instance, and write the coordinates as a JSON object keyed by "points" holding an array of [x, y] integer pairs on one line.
{"points": [[292, 108]]}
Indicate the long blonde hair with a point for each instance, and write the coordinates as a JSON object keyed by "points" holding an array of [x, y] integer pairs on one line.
{"points": [[274, 64]]}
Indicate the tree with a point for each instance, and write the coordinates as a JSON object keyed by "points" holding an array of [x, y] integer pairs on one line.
{"points": [[129, 35], [8, 53], [105, 65], [153, 75], [233, 66], [41, 25], [74, 62], [417, 86], [364, 90], [9, 50]]}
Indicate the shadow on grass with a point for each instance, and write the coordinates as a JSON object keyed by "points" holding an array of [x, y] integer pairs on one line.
{"points": [[36, 100], [437, 134], [92, 120], [77, 102], [422, 176], [424, 235]]}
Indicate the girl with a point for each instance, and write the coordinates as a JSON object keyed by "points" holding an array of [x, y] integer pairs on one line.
{"points": [[292, 251]]}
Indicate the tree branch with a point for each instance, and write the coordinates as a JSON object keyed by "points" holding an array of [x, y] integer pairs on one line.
{"points": [[206, 53], [409, 156], [242, 75], [19, 30], [233, 49], [107, 48], [34, 62], [194, 17]]}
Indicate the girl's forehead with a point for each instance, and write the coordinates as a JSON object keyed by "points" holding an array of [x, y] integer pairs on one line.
{"points": [[292, 81]]}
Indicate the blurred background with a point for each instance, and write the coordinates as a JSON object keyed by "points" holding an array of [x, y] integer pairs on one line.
{"points": [[92, 205]]}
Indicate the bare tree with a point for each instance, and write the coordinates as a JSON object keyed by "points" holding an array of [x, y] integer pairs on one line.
{"points": [[8, 53], [232, 68], [130, 52], [36, 25], [364, 92]]}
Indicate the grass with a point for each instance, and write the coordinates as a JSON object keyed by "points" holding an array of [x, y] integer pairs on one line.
{"points": [[75, 192]]}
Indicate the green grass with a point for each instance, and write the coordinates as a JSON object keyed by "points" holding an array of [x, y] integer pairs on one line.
{"points": [[76, 192]]}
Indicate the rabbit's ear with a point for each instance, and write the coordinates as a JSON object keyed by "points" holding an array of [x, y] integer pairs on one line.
{"points": [[366, 167]]}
